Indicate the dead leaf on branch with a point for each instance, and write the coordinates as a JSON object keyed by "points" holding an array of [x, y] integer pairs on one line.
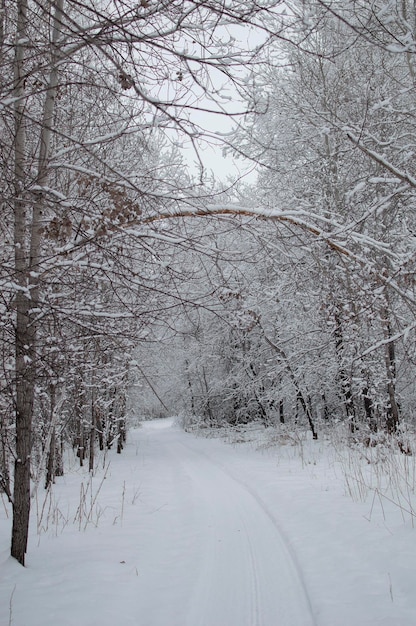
{"points": [[125, 80], [59, 228]]}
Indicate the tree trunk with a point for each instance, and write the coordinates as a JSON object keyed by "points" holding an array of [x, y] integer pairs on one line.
{"points": [[99, 427], [50, 467], [191, 392], [4, 461], [343, 376], [207, 402], [24, 348], [299, 395], [281, 412], [81, 442], [27, 267], [92, 436], [369, 409], [393, 412], [121, 435]]}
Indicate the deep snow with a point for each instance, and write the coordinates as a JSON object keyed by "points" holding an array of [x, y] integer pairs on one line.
{"points": [[187, 531]]}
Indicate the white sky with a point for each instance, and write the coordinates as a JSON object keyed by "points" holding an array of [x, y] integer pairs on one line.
{"points": [[223, 167]]}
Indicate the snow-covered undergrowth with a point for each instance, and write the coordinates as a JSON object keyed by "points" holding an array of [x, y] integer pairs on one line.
{"points": [[376, 472], [381, 475]]}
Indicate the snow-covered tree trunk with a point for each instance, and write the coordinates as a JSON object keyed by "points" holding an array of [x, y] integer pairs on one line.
{"points": [[28, 212], [24, 344]]}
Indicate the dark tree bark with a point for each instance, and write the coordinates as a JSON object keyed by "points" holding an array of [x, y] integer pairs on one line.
{"points": [[281, 412], [24, 339]]}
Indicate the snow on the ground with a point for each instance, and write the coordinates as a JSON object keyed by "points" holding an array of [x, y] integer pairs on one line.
{"points": [[187, 531]]}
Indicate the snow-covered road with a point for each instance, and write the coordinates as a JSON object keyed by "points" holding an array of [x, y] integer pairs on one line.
{"points": [[186, 531], [235, 565]]}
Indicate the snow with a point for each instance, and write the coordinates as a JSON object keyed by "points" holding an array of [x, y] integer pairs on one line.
{"points": [[182, 530]]}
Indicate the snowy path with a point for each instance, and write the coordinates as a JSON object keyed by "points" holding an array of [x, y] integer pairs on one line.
{"points": [[187, 531], [243, 572]]}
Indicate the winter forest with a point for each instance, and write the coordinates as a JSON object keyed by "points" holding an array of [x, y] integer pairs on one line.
{"points": [[138, 280]]}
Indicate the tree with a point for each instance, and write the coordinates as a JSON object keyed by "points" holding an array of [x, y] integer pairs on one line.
{"points": [[331, 92], [87, 83]]}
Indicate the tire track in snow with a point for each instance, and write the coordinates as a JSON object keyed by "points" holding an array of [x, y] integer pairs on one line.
{"points": [[256, 611], [289, 549], [258, 593], [225, 546]]}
